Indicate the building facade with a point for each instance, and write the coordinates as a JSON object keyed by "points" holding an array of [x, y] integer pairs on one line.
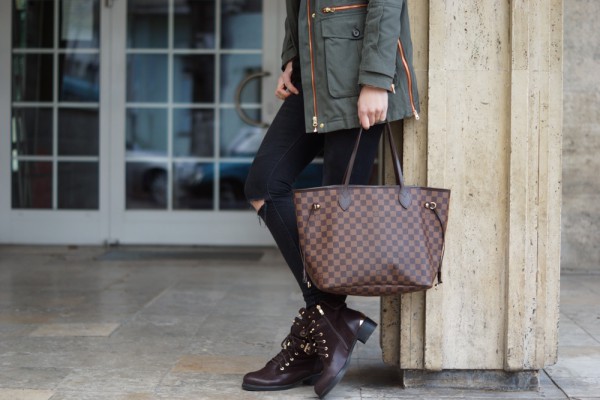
{"points": [[118, 121]]}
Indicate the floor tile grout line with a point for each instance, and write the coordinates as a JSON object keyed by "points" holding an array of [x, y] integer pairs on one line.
{"points": [[144, 307], [556, 384]]}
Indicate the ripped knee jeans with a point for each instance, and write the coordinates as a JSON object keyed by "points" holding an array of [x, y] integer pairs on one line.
{"points": [[283, 154]]}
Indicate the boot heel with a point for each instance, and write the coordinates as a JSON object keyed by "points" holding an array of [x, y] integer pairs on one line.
{"points": [[365, 330]]}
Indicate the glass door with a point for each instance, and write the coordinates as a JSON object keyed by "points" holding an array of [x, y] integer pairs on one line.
{"points": [[52, 55], [127, 121], [181, 149]]}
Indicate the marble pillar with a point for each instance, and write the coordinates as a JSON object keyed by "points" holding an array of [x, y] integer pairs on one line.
{"points": [[490, 78]]}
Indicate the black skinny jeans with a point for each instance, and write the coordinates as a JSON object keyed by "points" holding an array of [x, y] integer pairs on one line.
{"points": [[285, 151]]}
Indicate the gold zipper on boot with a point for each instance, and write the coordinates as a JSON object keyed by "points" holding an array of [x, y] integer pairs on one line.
{"points": [[340, 338]]}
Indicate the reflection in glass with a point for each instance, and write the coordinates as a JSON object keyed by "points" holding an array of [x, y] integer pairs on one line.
{"points": [[237, 138], [31, 184], [194, 24], [146, 78], [235, 68], [78, 185], [79, 77], [32, 131], [146, 132], [78, 132], [147, 24], [193, 132], [193, 79], [193, 186], [232, 177], [79, 24], [33, 24], [32, 77], [146, 185], [240, 22]]}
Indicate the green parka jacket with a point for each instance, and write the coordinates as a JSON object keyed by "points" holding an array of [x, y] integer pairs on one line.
{"points": [[343, 44]]}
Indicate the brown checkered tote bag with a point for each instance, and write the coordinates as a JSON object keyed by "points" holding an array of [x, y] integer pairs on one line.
{"points": [[372, 240]]}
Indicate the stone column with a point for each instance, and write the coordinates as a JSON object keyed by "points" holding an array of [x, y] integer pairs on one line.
{"points": [[490, 78]]}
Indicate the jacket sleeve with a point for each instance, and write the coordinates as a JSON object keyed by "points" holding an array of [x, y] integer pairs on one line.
{"points": [[288, 51], [382, 31]]}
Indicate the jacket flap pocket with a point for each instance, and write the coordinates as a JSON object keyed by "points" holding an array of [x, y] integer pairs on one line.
{"points": [[346, 27]]}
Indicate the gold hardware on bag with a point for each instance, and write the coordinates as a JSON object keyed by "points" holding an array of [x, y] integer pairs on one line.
{"points": [[316, 206], [431, 205]]}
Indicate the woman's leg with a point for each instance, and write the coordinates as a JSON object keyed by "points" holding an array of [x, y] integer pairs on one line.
{"points": [[283, 154], [285, 151]]}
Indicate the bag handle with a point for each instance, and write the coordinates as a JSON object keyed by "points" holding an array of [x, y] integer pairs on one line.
{"points": [[404, 197]]}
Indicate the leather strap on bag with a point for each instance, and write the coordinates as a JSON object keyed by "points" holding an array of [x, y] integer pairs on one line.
{"points": [[404, 197]]}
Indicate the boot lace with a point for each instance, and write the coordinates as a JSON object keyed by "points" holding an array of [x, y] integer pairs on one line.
{"points": [[293, 344], [319, 342], [289, 351]]}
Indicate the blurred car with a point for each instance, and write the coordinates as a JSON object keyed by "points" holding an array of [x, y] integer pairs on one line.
{"points": [[194, 182]]}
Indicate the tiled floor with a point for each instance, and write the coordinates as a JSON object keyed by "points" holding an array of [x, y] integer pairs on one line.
{"points": [[75, 325]]}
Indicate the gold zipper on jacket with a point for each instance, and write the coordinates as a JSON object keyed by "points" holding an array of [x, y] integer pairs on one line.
{"points": [[409, 78], [312, 66], [343, 8]]}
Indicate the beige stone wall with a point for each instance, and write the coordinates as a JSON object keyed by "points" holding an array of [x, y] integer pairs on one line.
{"points": [[490, 75], [581, 147]]}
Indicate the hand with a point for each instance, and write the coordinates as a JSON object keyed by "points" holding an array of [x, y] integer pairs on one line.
{"points": [[372, 106], [284, 83]]}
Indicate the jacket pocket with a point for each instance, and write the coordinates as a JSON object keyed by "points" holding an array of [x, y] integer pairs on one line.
{"points": [[343, 37]]}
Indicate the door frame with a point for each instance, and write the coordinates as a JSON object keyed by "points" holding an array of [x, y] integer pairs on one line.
{"points": [[5, 112]]}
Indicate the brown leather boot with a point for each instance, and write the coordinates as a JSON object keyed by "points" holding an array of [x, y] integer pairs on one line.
{"points": [[335, 333], [295, 364]]}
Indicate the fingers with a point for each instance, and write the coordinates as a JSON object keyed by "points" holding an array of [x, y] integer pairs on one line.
{"points": [[291, 88], [372, 106], [371, 115], [285, 87], [287, 78], [280, 91], [283, 92], [365, 122]]}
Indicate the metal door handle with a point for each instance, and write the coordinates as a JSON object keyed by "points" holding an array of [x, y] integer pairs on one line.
{"points": [[238, 99]]}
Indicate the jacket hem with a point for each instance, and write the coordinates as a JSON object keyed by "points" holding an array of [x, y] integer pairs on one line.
{"points": [[351, 122]]}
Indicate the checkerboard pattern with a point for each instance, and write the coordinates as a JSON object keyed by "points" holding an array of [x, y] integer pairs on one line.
{"points": [[376, 247]]}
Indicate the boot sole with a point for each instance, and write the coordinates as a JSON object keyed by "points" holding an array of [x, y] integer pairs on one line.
{"points": [[363, 334], [311, 380]]}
